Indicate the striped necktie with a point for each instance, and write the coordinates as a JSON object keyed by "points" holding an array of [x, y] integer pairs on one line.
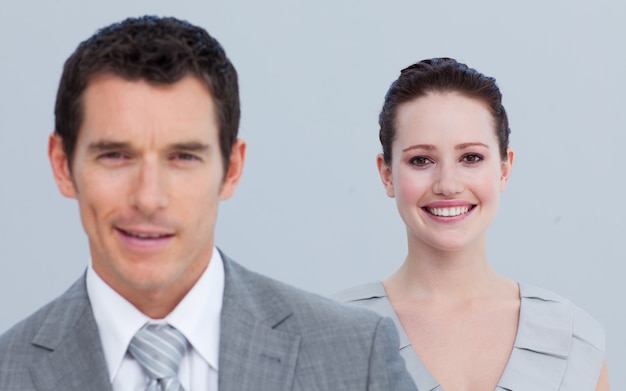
{"points": [[159, 349]]}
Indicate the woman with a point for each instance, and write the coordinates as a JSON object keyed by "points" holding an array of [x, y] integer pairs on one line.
{"points": [[462, 326]]}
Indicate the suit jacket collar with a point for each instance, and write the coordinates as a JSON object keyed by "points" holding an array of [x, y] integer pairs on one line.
{"points": [[69, 333], [254, 352]]}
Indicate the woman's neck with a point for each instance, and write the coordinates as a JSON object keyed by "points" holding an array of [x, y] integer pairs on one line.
{"points": [[434, 274]]}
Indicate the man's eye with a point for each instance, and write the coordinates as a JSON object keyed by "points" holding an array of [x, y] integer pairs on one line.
{"points": [[112, 155], [472, 158], [420, 161], [185, 156]]}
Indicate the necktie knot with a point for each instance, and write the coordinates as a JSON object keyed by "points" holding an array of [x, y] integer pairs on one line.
{"points": [[159, 350]]}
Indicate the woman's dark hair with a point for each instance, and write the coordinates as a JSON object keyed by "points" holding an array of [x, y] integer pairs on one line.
{"points": [[441, 75]]}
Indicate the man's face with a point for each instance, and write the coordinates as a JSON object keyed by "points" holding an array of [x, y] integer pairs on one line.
{"points": [[148, 176]]}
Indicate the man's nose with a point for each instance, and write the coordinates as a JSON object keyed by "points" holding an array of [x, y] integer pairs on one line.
{"points": [[150, 193]]}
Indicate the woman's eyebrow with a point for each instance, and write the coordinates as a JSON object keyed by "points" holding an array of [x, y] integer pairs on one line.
{"points": [[426, 147], [474, 144]]}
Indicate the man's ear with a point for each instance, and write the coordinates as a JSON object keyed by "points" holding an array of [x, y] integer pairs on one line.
{"points": [[235, 169], [385, 175], [60, 166], [507, 167]]}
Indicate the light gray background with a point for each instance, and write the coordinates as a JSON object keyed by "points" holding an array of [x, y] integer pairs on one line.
{"points": [[310, 209]]}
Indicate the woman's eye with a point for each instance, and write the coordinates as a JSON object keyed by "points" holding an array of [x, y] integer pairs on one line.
{"points": [[420, 161], [472, 158]]}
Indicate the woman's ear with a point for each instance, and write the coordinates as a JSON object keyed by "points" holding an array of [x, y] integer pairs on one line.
{"points": [[385, 175], [507, 166]]}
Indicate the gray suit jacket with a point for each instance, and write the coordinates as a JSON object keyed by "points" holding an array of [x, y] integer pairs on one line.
{"points": [[274, 337]]}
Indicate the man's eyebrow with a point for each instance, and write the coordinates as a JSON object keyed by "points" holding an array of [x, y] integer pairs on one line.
{"points": [[192, 146], [105, 145]]}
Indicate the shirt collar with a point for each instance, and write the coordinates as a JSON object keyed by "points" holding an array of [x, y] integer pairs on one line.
{"points": [[197, 316]]}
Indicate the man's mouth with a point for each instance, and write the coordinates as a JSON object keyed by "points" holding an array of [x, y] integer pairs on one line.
{"points": [[143, 235]]}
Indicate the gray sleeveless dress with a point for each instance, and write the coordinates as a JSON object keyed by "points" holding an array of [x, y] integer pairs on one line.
{"points": [[558, 346]]}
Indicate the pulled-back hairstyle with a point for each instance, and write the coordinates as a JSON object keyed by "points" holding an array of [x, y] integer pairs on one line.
{"points": [[159, 51], [441, 75]]}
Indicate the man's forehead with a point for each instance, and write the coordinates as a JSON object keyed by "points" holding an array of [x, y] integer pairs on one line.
{"points": [[185, 96], [117, 110]]}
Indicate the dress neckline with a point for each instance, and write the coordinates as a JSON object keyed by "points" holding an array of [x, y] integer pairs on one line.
{"points": [[551, 332], [536, 333]]}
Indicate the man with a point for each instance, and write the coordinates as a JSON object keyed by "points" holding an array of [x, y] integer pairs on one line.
{"points": [[147, 115]]}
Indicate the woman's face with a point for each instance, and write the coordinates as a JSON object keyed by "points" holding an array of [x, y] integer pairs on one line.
{"points": [[446, 172]]}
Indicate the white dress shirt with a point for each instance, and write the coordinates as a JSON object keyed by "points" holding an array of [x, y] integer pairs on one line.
{"points": [[197, 316]]}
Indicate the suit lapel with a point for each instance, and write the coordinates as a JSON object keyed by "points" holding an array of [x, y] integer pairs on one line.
{"points": [[74, 359], [254, 355]]}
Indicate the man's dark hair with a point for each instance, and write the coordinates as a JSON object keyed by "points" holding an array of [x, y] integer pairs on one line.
{"points": [[159, 51], [442, 75]]}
